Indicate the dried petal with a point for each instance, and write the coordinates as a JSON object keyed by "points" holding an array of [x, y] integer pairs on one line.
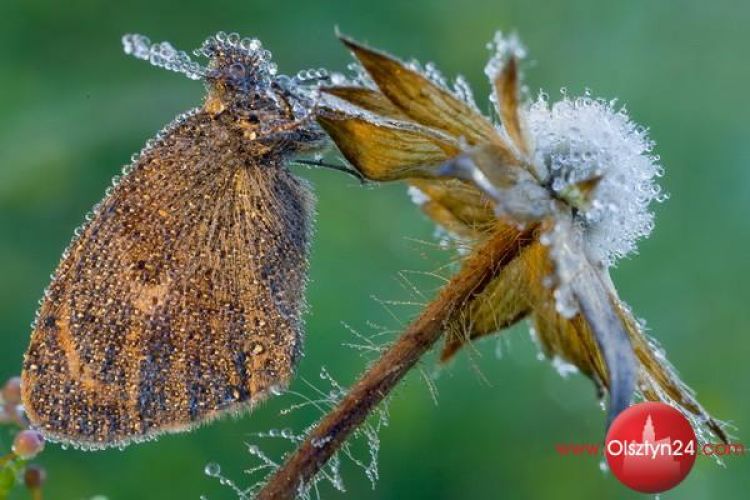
{"points": [[368, 99], [568, 339], [387, 151], [462, 200], [659, 381], [421, 99], [506, 92], [448, 221], [505, 301]]}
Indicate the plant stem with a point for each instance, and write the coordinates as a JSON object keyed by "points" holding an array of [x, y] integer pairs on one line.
{"points": [[377, 382]]}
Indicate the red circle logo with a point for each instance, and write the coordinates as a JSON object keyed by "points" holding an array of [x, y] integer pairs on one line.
{"points": [[651, 447]]}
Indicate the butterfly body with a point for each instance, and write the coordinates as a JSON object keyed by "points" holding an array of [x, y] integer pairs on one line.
{"points": [[182, 297]]}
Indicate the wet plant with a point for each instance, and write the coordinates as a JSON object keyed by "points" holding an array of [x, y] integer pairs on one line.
{"points": [[544, 199]]}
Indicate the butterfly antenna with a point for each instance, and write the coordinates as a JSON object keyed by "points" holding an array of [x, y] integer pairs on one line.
{"points": [[162, 55], [332, 166]]}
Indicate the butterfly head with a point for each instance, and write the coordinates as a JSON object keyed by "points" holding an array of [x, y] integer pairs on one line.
{"points": [[237, 65], [242, 80]]}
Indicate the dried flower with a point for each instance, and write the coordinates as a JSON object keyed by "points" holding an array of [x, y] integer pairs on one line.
{"points": [[578, 172]]}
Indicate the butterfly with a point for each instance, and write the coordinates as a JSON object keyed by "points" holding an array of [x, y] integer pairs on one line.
{"points": [[181, 298]]}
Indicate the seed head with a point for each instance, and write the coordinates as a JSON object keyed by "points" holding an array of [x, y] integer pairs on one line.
{"points": [[581, 138]]}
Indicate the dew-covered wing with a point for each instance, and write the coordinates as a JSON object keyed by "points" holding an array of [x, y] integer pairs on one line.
{"points": [[181, 298]]}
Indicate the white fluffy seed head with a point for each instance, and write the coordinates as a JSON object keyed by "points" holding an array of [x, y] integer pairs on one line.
{"points": [[578, 138]]}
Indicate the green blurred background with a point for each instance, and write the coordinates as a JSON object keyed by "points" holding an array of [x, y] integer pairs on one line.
{"points": [[73, 108]]}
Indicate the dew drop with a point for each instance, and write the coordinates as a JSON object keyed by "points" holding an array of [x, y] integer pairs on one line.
{"points": [[212, 469]]}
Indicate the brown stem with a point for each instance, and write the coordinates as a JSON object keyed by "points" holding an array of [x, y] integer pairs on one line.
{"points": [[378, 381]]}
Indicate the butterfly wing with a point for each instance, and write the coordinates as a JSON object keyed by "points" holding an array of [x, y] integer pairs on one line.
{"points": [[182, 297]]}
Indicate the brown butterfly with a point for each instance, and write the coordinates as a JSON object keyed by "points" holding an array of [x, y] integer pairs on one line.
{"points": [[181, 298]]}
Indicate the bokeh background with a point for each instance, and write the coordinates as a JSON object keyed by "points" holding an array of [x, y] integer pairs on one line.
{"points": [[73, 108]]}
